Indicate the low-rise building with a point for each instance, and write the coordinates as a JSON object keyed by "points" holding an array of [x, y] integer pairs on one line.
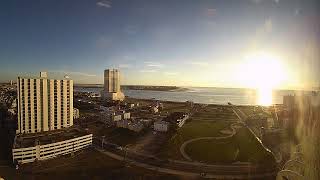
{"points": [[161, 126], [93, 95], [146, 122], [177, 118], [12, 111], [131, 105], [136, 126], [154, 109], [126, 115], [121, 115], [116, 117], [182, 120], [29, 149], [122, 123], [76, 113]]}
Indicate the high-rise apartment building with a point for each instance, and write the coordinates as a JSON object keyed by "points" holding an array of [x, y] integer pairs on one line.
{"points": [[112, 85], [44, 104], [112, 80]]}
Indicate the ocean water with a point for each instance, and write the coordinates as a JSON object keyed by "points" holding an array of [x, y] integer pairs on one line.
{"points": [[204, 95]]}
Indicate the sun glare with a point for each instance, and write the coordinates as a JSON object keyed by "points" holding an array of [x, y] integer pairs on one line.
{"points": [[264, 96], [264, 72]]}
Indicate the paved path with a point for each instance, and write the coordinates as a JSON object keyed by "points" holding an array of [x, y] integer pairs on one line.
{"points": [[182, 172], [183, 146], [148, 166]]}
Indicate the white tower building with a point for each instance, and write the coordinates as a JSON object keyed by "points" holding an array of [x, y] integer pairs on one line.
{"points": [[112, 85], [44, 104]]}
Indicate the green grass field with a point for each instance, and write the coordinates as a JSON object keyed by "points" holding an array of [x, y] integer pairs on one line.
{"points": [[243, 147], [213, 151], [192, 130]]}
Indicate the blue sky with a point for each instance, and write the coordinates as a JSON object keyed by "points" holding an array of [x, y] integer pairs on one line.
{"points": [[173, 42]]}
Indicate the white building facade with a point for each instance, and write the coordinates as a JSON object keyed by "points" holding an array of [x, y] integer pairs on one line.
{"points": [[76, 113], [44, 104], [48, 151], [112, 85], [161, 126]]}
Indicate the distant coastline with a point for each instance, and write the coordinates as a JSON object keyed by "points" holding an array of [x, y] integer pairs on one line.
{"points": [[137, 87], [153, 88]]}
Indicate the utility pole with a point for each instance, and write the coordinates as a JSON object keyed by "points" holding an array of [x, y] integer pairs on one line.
{"points": [[125, 152], [102, 141]]}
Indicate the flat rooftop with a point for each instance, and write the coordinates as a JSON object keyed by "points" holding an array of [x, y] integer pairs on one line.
{"points": [[29, 140]]}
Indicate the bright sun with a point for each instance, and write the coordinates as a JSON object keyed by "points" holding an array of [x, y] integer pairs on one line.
{"points": [[264, 72]]}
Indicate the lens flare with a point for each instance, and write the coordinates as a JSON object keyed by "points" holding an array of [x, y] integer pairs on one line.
{"points": [[263, 72], [264, 96]]}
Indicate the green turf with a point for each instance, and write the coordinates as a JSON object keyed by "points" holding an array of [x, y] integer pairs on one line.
{"points": [[250, 148], [243, 147], [213, 151], [189, 131]]}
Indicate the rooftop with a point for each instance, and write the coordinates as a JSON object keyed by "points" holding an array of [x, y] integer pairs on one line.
{"points": [[28, 140], [43, 75]]}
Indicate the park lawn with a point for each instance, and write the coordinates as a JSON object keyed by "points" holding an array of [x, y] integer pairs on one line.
{"points": [[213, 151], [251, 149], [189, 131], [213, 116], [201, 129], [243, 147], [168, 107]]}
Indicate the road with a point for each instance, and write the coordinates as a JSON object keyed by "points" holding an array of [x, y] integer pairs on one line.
{"points": [[188, 173], [184, 168]]}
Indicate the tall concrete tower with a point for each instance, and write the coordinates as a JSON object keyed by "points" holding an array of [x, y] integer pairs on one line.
{"points": [[112, 85], [111, 80], [44, 104]]}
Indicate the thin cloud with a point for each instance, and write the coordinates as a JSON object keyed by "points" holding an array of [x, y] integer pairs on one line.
{"points": [[259, 1], [106, 4], [104, 42], [125, 65], [256, 1], [198, 63], [153, 64], [148, 71], [171, 73], [262, 33], [131, 29], [211, 11], [73, 73], [268, 25]]}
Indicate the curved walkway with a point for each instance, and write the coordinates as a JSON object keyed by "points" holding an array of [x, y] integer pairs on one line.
{"points": [[181, 172], [233, 126]]}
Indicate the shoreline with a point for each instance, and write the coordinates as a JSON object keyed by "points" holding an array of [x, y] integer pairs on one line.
{"points": [[138, 87], [181, 95], [183, 102]]}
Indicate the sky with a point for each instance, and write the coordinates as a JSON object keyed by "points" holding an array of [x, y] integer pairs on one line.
{"points": [[162, 42]]}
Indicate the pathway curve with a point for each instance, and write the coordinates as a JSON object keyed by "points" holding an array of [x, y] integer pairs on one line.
{"points": [[187, 173], [233, 126]]}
